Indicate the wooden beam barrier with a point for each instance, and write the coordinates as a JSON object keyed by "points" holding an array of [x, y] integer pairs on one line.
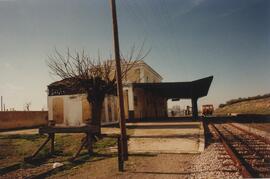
{"points": [[51, 130], [83, 144], [58, 129], [38, 150], [86, 142]]}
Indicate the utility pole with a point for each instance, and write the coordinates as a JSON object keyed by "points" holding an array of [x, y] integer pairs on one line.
{"points": [[124, 145], [1, 103]]}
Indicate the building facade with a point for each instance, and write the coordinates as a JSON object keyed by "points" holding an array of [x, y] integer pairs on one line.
{"points": [[74, 109]]}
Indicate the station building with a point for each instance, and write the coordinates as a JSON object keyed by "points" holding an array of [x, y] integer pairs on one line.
{"points": [[145, 96]]}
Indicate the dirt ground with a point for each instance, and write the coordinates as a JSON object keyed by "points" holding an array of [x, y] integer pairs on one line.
{"points": [[140, 166], [167, 161], [156, 151]]}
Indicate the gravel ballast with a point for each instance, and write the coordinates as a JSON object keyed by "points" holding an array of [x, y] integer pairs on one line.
{"points": [[212, 163]]}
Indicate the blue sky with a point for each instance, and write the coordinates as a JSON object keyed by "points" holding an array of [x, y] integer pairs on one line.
{"points": [[190, 39]]}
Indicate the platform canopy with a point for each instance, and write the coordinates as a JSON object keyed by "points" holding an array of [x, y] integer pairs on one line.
{"points": [[184, 90]]}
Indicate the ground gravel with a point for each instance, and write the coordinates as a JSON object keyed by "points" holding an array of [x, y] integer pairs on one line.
{"points": [[212, 163]]}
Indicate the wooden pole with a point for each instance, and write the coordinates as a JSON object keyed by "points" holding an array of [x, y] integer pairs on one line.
{"points": [[1, 103], [119, 82], [120, 157]]}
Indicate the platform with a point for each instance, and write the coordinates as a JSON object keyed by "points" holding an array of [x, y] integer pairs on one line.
{"points": [[166, 137]]}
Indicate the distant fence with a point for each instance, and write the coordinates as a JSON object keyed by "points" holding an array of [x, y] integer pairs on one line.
{"points": [[10, 120]]}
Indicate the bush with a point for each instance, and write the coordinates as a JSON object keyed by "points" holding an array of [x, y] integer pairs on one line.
{"points": [[233, 101], [221, 105]]}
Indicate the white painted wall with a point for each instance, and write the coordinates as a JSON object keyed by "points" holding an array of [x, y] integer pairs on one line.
{"points": [[130, 97], [72, 105], [142, 80], [73, 110]]}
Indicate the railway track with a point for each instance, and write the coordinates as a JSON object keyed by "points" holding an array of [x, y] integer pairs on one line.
{"points": [[249, 152]]}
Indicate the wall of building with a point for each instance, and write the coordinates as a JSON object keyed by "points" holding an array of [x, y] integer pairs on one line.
{"points": [[149, 76], [74, 110], [156, 106], [147, 104], [133, 75], [67, 109], [142, 73], [22, 119]]}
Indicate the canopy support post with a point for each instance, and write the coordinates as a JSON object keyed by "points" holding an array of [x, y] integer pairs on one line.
{"points": [[194, 107]]}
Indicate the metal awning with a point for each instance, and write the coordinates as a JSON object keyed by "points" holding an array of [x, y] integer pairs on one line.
{"points": [[183, 90]]}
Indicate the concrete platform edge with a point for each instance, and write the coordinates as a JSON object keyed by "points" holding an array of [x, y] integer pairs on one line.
{"points": [[201, 139]]}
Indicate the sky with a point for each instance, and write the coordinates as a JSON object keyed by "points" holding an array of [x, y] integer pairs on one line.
{"points": [[189, 39]]}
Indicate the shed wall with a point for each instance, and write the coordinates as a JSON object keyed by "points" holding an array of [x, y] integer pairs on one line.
{"points": [[74, 110]]}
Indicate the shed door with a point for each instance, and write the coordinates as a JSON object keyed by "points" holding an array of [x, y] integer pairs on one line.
{"points": [[58, 110]]}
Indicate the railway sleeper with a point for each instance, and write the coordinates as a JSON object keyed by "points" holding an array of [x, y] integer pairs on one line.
{"points": [[240, 148], [252, 157], [246, 144], [252, 144], [245, 172], [252, 137], [264, 147], [261, 164], [263, 170], [245, 152]]}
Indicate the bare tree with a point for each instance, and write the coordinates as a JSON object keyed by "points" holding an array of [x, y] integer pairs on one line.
{"points": [[95, 77]]}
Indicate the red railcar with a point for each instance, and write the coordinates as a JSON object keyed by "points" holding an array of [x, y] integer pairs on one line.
{"points": [[207, 109]]}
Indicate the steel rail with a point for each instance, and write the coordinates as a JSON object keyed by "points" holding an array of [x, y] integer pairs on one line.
{"points": [[249, 146], [245, 170], [267, 141]]}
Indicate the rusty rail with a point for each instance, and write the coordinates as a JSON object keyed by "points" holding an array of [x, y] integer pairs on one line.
{"points": [[244, 168]]}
